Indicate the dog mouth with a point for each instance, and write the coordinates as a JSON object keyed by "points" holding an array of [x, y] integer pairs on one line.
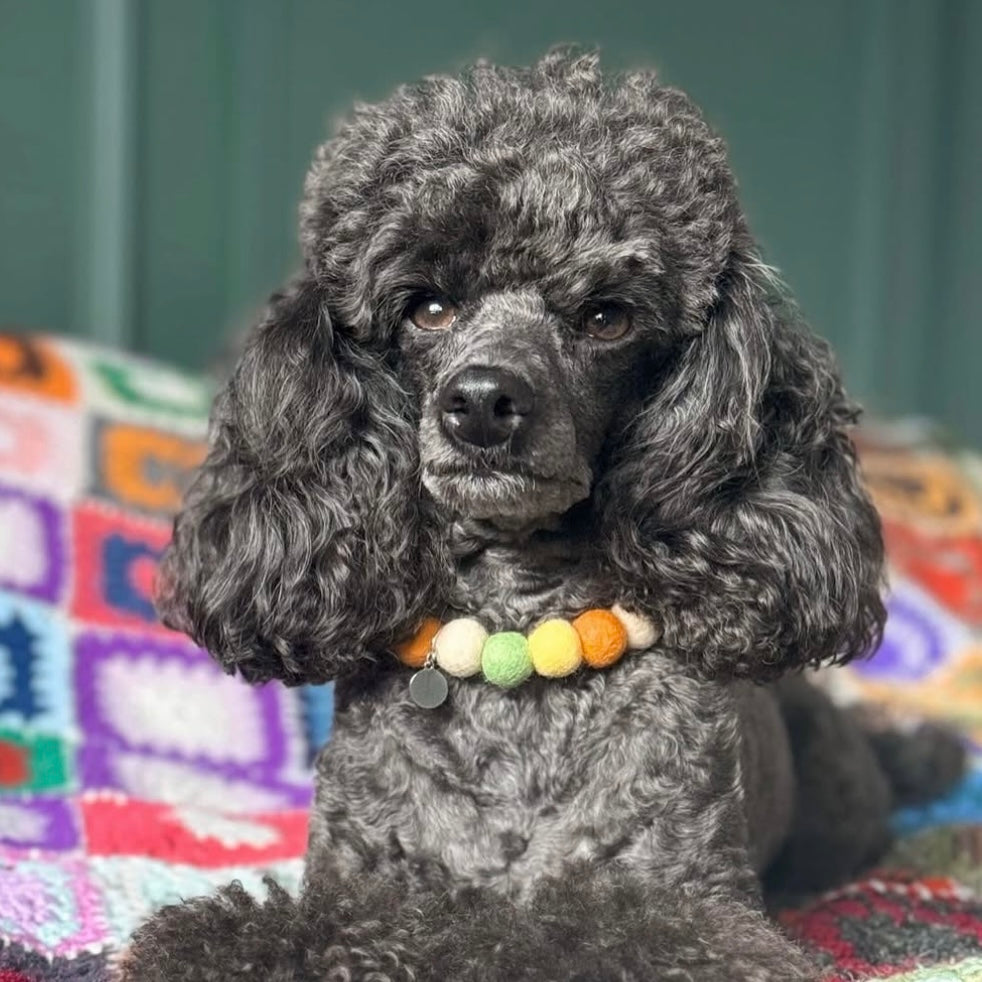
{"points": [[504, 492]]}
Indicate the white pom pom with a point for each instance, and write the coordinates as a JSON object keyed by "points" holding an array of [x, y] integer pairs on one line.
{"points": [[458, 647], [642, 632]]}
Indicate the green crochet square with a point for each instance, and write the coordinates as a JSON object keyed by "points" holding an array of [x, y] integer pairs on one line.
{"points": [[45, 763], [138, 384]]}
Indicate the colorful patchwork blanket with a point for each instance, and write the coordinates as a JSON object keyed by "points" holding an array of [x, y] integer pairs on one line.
{"points": [[133, 773]]}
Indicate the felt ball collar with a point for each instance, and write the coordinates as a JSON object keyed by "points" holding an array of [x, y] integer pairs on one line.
{"points": [[556, 648]]}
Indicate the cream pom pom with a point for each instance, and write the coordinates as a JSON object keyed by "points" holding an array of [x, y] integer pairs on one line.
{"points": [[642, 632], [458, 646]]}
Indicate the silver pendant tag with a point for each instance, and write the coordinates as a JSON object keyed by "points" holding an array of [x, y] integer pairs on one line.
{"points": [[428, 688]]}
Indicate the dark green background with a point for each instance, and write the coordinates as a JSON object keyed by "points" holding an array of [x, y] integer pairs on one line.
{"points": [[153, 150]]}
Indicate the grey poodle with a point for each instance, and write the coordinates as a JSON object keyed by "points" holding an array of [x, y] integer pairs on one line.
{"points": [[534, 365]]}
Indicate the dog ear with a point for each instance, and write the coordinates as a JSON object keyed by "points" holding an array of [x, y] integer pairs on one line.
{"points": [[302, 543], [733, 509]]}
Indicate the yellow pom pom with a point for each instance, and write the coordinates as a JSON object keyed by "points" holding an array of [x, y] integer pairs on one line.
{"points": [[642, 632], [555, 649]]}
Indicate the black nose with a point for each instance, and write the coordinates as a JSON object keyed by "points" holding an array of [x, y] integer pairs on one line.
{"points": [[485, 406]]}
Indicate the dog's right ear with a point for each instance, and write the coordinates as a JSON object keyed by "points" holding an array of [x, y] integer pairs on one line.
{"points": [[302, 545]]}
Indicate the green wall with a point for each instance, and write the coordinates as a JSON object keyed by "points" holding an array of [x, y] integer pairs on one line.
{"points": [[153, 150]]}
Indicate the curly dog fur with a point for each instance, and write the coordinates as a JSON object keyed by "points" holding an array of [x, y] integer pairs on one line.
{"points": [[688, 458]]}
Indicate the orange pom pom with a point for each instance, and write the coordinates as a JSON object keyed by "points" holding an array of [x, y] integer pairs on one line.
{"points": [[603, 637], [414, 651]]}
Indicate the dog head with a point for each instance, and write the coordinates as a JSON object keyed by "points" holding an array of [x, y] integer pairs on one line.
{"points": [[527, 290]]}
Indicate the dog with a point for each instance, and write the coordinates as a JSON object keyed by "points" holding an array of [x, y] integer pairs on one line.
{"points": [[534, 366]]}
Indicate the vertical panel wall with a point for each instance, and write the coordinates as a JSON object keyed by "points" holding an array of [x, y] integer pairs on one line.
{"points": [[153, 152], [43, 145]]}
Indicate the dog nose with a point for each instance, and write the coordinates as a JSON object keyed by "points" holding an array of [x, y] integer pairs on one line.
{"points": [[485, 406]]}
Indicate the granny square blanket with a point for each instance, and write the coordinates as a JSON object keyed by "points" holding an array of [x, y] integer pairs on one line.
{"points": [[134, 773]]}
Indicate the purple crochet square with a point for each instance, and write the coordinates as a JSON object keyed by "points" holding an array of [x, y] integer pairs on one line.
{"points": [[147, 702], [154, 777], [920, 637], [33, 563], [39, 823]]}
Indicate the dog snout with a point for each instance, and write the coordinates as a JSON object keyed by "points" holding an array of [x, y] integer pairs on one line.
{"points": [[485, 405]]}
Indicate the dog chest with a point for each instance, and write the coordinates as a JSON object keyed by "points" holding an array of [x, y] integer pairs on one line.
{"points": [[501, 788]]}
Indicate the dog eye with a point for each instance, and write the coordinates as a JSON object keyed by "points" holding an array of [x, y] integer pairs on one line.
{"points": [[433, 314], [606, 321]]}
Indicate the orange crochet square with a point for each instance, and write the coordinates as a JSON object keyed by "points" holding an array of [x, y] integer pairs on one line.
{"points": [[33, 365], [144, 468], [927, 491]]}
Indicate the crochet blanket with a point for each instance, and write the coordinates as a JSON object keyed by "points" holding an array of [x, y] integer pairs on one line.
{"points": [[133, 773]]}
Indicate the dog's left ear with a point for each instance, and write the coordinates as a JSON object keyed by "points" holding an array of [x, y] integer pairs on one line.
{"points": [[732, 507]]}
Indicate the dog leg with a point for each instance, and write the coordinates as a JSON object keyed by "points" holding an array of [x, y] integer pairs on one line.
{"points": [[842, 797], [921, 764], [353, 930], [582, 926], [587, 926]]}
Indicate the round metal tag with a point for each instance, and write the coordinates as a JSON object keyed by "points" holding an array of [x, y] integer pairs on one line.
{"points": [[428, 688]]}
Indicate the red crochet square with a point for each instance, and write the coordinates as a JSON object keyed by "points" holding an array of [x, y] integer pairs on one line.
{"points": [[115, 564], [949, 568], [117, 826]]}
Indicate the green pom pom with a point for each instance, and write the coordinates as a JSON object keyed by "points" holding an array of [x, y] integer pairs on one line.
{"points": [[505, 659]]}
